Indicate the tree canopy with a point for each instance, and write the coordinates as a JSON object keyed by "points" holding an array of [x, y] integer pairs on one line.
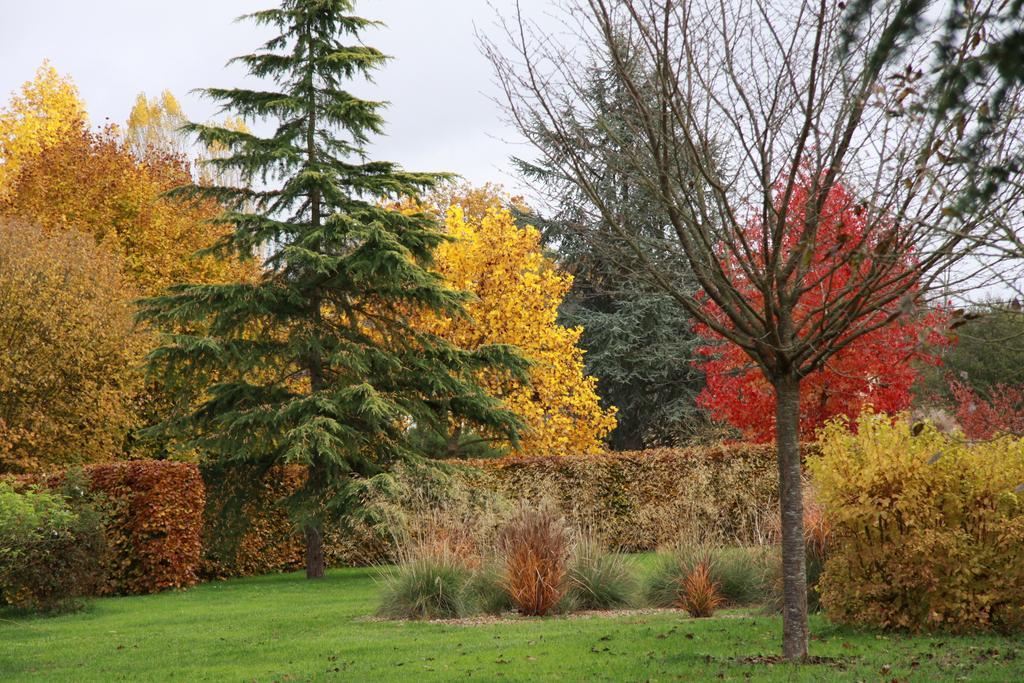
{"points": [[317, 363], [517, 293]]}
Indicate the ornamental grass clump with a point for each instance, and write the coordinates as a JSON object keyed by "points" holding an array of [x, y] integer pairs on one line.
{"points": [[699, 594], [598, 579], [534, 547], [436, 573], [742, 575], [486, 590], [428, 586]]}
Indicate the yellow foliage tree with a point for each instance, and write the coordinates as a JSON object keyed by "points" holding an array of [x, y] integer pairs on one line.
{"points": [[154, 123], [90, 182], [68, 354], [517, 294], [45, 110], [94, 184]]}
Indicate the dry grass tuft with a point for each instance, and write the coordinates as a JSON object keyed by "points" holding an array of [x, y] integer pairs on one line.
{"points": [[700, 596], [534, 547]]}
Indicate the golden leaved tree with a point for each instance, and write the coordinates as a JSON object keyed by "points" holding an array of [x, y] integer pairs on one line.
{"points": [[517, 294], [68, 356], [154, 123], [45, 110], [91, 183]]}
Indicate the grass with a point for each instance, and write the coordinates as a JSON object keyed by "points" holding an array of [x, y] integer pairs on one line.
{"points": [[281, 627]]}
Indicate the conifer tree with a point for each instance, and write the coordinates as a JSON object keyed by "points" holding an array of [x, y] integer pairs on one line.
{"points": [[316, 363]]}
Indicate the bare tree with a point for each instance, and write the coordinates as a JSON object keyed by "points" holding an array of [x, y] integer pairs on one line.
{"points": [[739, 103]]}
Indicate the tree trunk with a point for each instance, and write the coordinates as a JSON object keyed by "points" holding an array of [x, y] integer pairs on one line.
{"points": [[794, 569], [314, 552]]}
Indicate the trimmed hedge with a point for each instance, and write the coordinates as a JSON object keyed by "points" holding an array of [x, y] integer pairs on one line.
{"points": [[259, 537], [632, 501], [173, 524], [154, 523], [639, 500]]}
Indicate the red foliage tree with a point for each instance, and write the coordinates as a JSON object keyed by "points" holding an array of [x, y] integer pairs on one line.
{"points": [[873, 369], [984, 418]]}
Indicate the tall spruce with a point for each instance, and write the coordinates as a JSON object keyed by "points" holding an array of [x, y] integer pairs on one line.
{"points": [[315, 363], [637, 340]]}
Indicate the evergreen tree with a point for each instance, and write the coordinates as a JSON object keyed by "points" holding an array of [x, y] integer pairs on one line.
{"points": [[634, 334], [316, 362]]}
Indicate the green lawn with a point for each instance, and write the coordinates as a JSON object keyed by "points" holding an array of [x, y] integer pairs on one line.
{"points": [[282, 627]]}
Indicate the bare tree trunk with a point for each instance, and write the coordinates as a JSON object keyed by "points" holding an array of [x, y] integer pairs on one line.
{"points": [[314, 552], [794, 569]]}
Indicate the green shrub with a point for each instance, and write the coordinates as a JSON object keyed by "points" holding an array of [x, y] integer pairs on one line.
{"points": [[52, 547], [427, 587], [741, 575], [927, 530], [600, 580]]}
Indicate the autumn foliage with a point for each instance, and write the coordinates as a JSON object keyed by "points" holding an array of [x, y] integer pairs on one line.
{"points": [[926, 531], [91, 183], [89, 206], [68, 352], [153, 526], [517, 294], [875, 369], [46, 109], [155, 532], [983, 418]]}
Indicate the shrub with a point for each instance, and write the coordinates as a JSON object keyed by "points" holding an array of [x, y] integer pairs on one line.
{"points": [[927, 529], [599, 580], [432, 586], [533, 546], [700, 596], [153, 521], [981, 417], [68, 349], [51, 548], [742, 575]]}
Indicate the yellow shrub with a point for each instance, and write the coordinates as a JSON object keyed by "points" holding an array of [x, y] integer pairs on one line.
{"points": [[927, 530]]}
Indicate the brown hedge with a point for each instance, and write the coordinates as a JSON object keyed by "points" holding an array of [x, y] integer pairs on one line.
{"points": [[634, 500], [640, 499], [256, 538], [172, 525], [154, 525]]}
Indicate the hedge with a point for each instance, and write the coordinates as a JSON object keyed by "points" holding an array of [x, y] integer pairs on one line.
{"points": [[639, 500], [174, 524], [258, 536], [634, 500], [154, 523]]}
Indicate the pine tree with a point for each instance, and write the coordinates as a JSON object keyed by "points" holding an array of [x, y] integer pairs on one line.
{"points": [[316, 363]]}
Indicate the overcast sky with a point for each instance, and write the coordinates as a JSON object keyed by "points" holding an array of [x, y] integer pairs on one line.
{"points": [[439, 85]]}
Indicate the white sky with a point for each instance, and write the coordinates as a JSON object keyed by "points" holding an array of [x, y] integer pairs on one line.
{"points": [[438, 84]]}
